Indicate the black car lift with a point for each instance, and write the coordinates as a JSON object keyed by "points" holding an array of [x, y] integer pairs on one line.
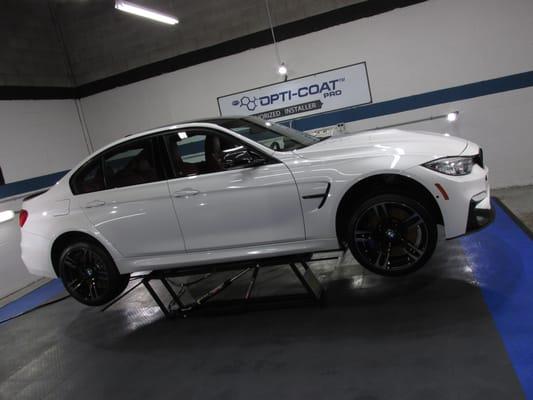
{"points": [[183, 303]]}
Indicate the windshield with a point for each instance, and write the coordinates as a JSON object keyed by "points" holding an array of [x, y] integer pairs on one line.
{"points": [[277, 137]]}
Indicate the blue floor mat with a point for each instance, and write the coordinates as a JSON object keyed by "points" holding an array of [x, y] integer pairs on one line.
{"points": [[37, 297], [501, 257]]}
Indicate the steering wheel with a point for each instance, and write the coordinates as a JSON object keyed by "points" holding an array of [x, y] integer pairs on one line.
{"points": [[275, 146]]}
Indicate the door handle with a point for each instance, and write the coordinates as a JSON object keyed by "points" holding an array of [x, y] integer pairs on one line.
{"points": [[186, 193], [95, 203]]}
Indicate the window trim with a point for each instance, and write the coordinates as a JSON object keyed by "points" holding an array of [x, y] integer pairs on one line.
{"points": [[175, 171]]}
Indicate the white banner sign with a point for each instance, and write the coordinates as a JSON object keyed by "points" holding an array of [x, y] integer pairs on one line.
{"points": [[326, 91]]}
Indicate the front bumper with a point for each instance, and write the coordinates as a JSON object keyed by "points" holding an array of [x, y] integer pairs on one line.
{"points": [[479, 215], [35, 252], [467, 198]]}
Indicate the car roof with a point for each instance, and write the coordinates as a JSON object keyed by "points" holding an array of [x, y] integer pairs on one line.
{"points": [[214, 120], [205, 122], [211, 120]]}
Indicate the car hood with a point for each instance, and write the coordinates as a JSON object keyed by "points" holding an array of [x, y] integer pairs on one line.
{"points": [[385, 142]]}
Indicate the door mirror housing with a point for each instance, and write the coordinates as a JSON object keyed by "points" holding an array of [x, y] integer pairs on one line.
{"points": [[242, 157]]}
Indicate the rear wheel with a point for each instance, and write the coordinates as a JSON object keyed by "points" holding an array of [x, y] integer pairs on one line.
{"points": [[90, 275], [392, 234]]}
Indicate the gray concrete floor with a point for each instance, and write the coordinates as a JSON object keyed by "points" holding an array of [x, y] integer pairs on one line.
{"points": [[520, 201], [426, 336]]}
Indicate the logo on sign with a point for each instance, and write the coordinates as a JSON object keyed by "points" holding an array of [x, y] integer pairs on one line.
{"points": [[325, 89], [250, 104]]}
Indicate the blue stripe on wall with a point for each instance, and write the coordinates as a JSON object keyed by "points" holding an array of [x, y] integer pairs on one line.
{"points": [[482, 88], [30, 185], [477, 89], [501, 257]]}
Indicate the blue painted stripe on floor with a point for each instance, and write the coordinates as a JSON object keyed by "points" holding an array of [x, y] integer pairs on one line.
{"points": [[33, 299], [501, 258]]}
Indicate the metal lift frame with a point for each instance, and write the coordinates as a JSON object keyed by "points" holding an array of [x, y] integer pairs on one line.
{"points": [[183, 303]]}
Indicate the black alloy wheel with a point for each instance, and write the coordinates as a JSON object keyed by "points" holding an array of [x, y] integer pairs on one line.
{"points": [[392, 235], [90, 275]]}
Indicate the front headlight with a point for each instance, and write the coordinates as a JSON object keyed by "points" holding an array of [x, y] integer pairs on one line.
{"points": [[452, 165]]}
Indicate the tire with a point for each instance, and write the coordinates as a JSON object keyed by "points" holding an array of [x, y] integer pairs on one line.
{"points": [[90, 275], [391, 234]]}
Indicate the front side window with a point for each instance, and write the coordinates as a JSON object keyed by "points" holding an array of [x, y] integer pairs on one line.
{"points": [[198, 151], [89, 178], [131, 164]]}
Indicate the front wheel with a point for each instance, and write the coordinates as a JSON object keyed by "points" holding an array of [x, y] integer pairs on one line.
{"points": [[392, 235], [90, 275]]}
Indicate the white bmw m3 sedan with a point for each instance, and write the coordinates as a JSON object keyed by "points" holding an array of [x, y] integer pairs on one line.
{"points": [[241, 189]]}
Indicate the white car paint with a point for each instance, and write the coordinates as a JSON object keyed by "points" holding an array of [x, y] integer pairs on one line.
{"points": [[247, 213]]}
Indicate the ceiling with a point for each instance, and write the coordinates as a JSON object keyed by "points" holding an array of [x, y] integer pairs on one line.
{"points": [[73, 42], [79, 47], [102, 41]]}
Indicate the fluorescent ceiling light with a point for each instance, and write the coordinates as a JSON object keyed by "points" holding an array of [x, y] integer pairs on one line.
{"points": [[131, 8], [6, 216]]}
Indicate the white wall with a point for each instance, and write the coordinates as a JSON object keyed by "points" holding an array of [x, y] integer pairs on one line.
{"points": [[36, 138], [39, 137], [425, 47]]}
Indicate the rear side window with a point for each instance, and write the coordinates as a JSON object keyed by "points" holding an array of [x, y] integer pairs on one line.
{"points": [[128, 164], [89, 178], [131, 164]]}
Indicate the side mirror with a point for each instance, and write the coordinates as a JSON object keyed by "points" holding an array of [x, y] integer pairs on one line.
{"points": [[242, 157]]}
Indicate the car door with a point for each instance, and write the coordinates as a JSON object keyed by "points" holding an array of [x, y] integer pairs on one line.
{"points": [[124, 194], [221, 206]]}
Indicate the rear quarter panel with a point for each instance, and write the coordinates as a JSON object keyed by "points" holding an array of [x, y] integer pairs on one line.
{"points": [[50, 215]]}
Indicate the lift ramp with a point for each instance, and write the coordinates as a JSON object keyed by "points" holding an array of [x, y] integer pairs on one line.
{"points": [[177, 283]]}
